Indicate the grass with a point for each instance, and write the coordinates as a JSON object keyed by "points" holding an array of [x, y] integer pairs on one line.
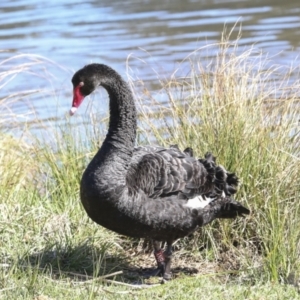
{"points": [[234, 106]]}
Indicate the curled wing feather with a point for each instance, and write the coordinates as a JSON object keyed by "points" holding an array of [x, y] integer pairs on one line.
{"points": [[161, 172]]}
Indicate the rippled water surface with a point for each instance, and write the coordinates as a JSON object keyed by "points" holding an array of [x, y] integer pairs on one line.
{"points": [[155, 34]]}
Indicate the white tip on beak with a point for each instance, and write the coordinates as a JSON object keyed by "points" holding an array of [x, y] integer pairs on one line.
{"points": [[73, 110]]}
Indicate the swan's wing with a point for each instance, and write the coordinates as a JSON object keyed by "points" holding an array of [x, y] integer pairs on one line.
{"points": [[161, 172]]}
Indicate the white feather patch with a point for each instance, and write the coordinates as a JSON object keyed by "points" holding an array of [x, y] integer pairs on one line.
{"points": [[198, 202]]}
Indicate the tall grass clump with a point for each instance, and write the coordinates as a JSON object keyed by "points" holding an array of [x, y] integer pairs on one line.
{"points": [[237, 105], [244, 109]]}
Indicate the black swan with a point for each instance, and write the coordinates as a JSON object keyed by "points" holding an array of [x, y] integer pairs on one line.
{"points": [[148, 192]]}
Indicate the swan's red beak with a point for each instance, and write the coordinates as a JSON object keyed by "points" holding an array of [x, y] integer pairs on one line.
{"points": [[77, 99]]}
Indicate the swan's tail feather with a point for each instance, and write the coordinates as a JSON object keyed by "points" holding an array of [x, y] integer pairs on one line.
{"points": [[224, 187], [222, 208], [232, 209]]}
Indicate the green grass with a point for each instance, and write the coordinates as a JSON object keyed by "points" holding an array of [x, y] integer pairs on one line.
{"points": [[233, 107], [45, 288]]}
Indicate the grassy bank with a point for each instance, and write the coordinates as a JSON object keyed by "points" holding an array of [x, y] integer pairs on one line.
{"points": [[233, 106]]}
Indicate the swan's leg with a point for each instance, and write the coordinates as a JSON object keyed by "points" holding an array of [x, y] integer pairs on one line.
{"points": [[160, 258], [168, 258]]}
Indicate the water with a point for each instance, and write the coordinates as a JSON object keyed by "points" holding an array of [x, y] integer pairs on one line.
{"points": [[155, 34]]}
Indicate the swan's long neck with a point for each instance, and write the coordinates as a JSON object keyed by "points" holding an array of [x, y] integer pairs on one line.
{"points": [[122, 124], [110, 164]]}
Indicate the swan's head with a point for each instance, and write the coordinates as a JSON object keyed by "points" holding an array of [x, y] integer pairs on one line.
{"points": [[84, 83]]}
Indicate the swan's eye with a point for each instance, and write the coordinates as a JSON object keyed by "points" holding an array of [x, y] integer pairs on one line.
{"points": [[81, 83]]}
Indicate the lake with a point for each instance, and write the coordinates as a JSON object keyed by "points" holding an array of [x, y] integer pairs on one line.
{"points": [[154, 36]]}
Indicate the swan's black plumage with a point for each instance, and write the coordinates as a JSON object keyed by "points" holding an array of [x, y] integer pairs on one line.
{"points": [[148, 191]]}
